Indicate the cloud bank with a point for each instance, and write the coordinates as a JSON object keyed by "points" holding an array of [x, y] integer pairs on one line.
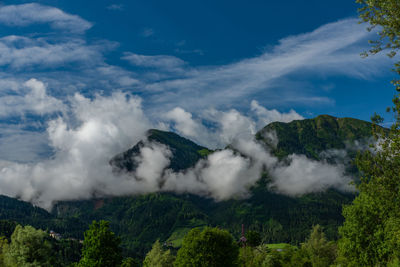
{"points": [[57, 112], [92, 130]]}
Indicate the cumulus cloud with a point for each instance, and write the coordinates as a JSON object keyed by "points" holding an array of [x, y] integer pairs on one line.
{"points": [[99, 129], [224, 174], [33, 13], [224, 127], [93, 130], [184, 123], [32, 97], [85, 138], [303, 176], [266, 116]]}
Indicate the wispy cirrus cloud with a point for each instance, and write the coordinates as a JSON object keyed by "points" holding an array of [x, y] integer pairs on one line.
{"points": [[19, 52], [332, 49], [117, 7], [33, 13], [157, 61]]}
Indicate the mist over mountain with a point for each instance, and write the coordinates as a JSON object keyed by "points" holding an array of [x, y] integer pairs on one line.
{"points": [[281, 192], [302, 156]]}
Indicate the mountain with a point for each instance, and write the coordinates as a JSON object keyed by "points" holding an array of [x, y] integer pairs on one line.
{"points": [[140, 220], [185, 153], [310, 137]]}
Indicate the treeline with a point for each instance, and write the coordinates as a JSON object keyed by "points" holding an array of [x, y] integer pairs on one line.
{"points": [[206, 246]]}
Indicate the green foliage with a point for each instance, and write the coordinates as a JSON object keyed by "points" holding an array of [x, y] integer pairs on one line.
{"points": [[313, 136], [158, 257], [321, 252], [385, 14], [185, 153], [253, 238], [3, 249], [29, 247], [130, 262], [253, 257], [210, 247], [371, 232], [100, 247], [141, 220], [7, 228]]}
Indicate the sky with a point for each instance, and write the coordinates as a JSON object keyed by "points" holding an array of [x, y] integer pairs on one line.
{"points": [[77, 76]]}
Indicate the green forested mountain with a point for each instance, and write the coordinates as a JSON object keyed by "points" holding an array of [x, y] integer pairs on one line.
{"points": [[310, 137], [185, 153], [140, 220]]}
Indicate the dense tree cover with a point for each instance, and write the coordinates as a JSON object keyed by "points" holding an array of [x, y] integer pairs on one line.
{"points": [[211, 247], [253, 238], [315, 252], [201, 247], [310, 137], [158, 257], [321, 252], [371, 231], [100, 247], [185, 153], [29, 247], [141, 220]]}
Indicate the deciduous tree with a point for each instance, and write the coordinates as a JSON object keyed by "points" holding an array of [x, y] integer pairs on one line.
{"points": [[158, 257], [211, 247], [100, 247]]}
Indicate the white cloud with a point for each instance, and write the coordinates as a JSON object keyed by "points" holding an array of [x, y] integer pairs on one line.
{"points": [[31, 97], [332, 49], [19, 52], [304, 176], [266, 116], [228, 126], [85, 138], [167, 63], [83, 144], [184, 123], [33, 13]]}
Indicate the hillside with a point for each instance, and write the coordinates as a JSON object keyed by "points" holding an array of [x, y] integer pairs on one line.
{"points": [[185, 153], [140, 220], [310, 137]]}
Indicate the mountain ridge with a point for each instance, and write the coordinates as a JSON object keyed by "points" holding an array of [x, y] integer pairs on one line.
{"points": [[142, 219]]}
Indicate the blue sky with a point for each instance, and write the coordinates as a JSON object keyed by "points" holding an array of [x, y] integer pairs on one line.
{"points": [[81, 81], [191, 64]]}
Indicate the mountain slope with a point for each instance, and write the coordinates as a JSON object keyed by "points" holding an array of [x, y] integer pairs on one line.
{"points": [[140, 220], [310, 137], [185, 153]]}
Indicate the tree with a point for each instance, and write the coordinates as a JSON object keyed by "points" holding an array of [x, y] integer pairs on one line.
{"points": [[100, 246], [29, 247], [253, 238], [158, 257], [371, 231], [210, 247], [130, 262], [320, 250], [3, 248], [383, 13]]}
